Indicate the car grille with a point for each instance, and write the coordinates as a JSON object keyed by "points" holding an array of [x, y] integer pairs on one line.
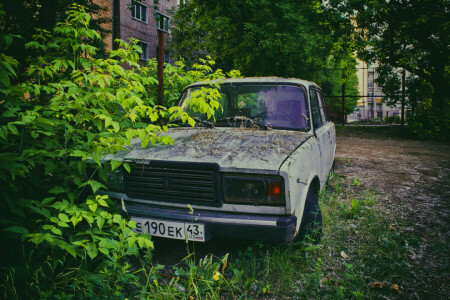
{"points": [[174, 182]]}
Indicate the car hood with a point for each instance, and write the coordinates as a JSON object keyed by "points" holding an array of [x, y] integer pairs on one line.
{"points": [[233, 149]]}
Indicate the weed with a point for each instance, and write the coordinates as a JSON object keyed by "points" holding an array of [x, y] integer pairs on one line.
{"points": [[353, 210], [356, 182], [205, 278]]}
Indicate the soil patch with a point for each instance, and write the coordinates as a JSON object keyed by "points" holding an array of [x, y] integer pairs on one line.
{"points": [[413, 178]]}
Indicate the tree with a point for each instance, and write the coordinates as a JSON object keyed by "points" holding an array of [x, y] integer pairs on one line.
{"points": [[405, 34], [332, 87], [269, 38]]}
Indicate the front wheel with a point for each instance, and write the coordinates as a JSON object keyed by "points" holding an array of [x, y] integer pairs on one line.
{"points": [[311, 226]]}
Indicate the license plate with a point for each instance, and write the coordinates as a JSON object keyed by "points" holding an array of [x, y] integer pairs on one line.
{"points": [[169, 229]]}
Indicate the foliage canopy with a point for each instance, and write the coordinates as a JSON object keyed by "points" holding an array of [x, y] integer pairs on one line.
{"points": [[271, 38]]}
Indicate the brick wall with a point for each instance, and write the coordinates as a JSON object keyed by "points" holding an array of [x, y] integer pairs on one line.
{"points": [[108, 5], [129, 27], [145, 32]]}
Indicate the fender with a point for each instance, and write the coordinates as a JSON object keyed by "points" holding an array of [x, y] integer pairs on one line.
{"points": [[299, 171]]}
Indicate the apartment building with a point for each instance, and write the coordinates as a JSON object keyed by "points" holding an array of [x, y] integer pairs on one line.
{"points": [[371, 105], [136, 19]]}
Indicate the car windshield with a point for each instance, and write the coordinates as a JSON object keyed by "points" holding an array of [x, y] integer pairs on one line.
{"points": [[276, 106]]}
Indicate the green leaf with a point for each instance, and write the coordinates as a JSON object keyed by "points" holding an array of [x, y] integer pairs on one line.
{"points": [[79, 153], [57, 190], [127, 167], [140, 241], [191, 122], [102, 203], [63, 217], [45, 212], [95, 185], [13, 129], [72, 250], [62, 224], [93, 207], [117, 219], [97, 160], [56, 231], [115, 164], [47, 201], [116, 126], [75, 220], [129, 134], [104, 251], [100, 222], [8, 39], [17, 229], [4, 132], [92, 250]]}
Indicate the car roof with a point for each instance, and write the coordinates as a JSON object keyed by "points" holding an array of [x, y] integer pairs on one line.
{"points": [[258, 80]]}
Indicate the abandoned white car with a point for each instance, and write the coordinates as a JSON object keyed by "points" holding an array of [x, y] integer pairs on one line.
{"points": [[254, 173]]}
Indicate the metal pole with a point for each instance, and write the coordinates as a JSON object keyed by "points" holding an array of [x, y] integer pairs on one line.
{"points": [[403, 98], [343, 103], [115, 24], [160, 66]]}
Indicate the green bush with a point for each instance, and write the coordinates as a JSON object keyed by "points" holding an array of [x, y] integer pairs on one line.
{"points": [[65, 114], [426, 124]]}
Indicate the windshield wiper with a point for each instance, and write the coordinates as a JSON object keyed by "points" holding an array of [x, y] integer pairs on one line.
{"points": [[243, 120], [206, 123], [197, 121]]}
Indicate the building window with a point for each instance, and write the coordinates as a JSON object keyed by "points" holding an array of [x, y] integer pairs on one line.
{"points": [[139, 12], [370, 79], [162, 22], [144, 47]]}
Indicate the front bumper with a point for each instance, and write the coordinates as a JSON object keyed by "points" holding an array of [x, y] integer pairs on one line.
{"points": [[224, 224]]}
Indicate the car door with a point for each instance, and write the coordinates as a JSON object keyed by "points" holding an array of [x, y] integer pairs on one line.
{"points": [[320, 132], [330, 134]]}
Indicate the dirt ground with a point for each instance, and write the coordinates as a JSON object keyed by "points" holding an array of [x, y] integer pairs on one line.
{"points": [[413, 178]]}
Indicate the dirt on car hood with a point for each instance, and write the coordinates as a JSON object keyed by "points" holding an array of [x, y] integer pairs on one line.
{"points": [[233, 149]]}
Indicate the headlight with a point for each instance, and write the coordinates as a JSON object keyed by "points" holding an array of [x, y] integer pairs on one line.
{"points": [[253, 190], [115, 181]]}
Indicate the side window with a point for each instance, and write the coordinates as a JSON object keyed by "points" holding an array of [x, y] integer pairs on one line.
{"points": [[323, 108], [315, 109]]}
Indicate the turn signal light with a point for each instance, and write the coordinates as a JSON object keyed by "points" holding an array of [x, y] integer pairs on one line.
{"points": [[274, 191]]}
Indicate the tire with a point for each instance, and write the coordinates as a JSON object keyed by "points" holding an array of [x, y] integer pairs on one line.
{"points": [[311, 226]]}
